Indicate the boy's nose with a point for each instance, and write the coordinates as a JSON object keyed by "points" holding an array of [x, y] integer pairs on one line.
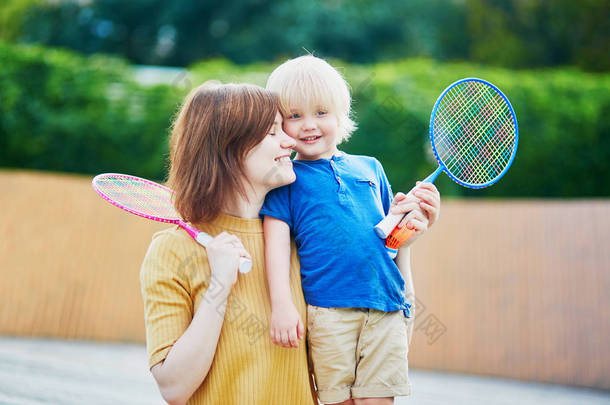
{"points": [[309, 124]]}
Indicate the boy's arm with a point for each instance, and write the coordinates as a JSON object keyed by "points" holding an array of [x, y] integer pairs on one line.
{"points": [[417, 221], [277, 259], [286, 324], [403, 261]]}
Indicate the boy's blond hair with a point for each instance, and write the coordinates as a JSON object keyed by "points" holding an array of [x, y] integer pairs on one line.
{"points": [[308, 80]]}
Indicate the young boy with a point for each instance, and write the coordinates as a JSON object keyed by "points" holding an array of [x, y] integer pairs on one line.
{"points": [[357, 309]]}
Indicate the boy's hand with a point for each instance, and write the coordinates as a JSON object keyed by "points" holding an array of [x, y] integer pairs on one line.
{"points": [[286, 326], [430, 200], [417, 221], [404, 203], [424, 196]]}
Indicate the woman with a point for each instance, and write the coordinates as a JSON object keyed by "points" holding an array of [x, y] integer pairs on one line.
{"points": [[227, 151], [206, 329]]}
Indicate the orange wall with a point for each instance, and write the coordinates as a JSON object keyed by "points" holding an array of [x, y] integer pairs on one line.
{"points": [[508, 288]]}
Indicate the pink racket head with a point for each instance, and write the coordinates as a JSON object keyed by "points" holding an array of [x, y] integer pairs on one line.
{"points": [[136, 195]]}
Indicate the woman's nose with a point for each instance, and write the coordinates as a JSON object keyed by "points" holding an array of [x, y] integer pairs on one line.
{"points": [[286, 141]]}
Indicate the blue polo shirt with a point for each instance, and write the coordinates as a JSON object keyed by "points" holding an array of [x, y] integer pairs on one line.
{"points": [[332, 209]]}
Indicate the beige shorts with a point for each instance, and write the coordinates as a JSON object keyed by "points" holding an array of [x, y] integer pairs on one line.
{"points": [[358, 353]]}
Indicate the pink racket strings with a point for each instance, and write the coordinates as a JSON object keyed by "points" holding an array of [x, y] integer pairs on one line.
{"points": [[150, 200]]}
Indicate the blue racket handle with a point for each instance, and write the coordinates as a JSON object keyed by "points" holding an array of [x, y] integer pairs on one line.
{"points": [[387, 225]]}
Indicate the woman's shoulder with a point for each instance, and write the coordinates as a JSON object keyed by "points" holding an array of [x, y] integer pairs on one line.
{"points": [[174, 234], [174, 238], [169, 249]]}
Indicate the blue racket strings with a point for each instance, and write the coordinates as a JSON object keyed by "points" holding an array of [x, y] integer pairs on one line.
{"points": [[474, 132]]}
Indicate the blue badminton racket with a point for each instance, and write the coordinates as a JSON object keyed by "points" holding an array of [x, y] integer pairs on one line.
{"points": [[474, 136]]}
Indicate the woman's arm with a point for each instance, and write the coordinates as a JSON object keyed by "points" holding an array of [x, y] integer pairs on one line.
{"points": [[190, 358], [188, 362], [286, 323]]}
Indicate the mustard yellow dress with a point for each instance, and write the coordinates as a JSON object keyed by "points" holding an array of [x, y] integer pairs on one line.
{"points": [[248, 369]]}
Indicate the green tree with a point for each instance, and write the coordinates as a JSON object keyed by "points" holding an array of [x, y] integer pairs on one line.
{"points": [[510, 33], [12, 14], [527, 33]]}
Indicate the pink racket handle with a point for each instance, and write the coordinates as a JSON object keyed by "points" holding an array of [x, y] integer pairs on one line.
{"points": [[245, 265]]}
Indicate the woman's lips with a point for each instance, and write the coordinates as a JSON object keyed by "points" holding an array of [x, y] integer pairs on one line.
{"points": [[284, 160]]}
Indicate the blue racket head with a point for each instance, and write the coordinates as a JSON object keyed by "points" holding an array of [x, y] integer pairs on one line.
{"points": [[474, 132]]}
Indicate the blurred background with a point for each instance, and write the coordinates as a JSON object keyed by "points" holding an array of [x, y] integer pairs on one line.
{"points": [[512, 282]]}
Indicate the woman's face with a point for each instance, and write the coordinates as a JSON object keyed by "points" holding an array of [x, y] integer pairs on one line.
{"points": [[268, 164]]}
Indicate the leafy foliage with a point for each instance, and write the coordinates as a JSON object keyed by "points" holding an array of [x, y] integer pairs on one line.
{"points": [[67, 113], [510, 33], [63, 112]]}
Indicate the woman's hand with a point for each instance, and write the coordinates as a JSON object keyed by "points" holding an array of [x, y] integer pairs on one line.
{"points": [[286, 326], [223, 253]]}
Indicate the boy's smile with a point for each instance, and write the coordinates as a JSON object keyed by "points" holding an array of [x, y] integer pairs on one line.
{"points": [[310, 140]]}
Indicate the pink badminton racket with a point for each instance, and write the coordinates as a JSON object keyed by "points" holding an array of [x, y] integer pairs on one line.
{"points": [[149, 200]]}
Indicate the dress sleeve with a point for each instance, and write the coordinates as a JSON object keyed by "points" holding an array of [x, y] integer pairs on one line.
{"points": [[385, 188], [168, 304], [277, 205]]}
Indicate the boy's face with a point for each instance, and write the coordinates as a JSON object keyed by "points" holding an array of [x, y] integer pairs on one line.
{"points": [[315, 130]]}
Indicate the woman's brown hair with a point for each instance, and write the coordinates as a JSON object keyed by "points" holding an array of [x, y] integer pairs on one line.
{"points": [[213, 132]]}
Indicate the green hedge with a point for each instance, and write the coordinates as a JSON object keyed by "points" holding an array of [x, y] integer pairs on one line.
{"points": [[64, 112], [563, 116]]}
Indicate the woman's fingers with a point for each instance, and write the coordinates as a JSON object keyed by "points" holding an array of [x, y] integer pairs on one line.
{"points": [[300, 329], [244, 253], [292, 337], [284, 338], [230, 243], [274, 337]]}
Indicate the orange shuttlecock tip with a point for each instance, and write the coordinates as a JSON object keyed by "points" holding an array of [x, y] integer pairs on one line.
{"points": [[397, 237]]}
